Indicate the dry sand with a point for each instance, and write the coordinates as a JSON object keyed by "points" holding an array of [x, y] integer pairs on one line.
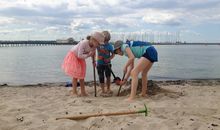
{"points": [[179, 105]]}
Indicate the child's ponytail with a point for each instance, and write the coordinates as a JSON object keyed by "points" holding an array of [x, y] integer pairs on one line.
{"points": [[88, 37]]}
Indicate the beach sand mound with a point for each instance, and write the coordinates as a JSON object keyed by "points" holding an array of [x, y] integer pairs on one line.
{"points": [[153, 88]]}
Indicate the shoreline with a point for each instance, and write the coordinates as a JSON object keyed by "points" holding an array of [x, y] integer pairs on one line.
{"points": [[196, 82]]}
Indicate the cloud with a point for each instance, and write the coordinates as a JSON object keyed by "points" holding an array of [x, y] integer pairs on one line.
{"points": [[201, 4], [161, 17], [111, 23], [21, 30], [190, 32], [6, 20], [51, 29], [61, 12], [74, 16], [173, 4], [41, 10], [78, 25], [123, 22]]}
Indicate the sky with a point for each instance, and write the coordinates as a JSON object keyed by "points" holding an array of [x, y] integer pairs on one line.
{"points": [[187, 20]]}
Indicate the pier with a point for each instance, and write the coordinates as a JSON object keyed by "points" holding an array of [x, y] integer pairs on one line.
{"points": [[53, 43], [33, 43]]}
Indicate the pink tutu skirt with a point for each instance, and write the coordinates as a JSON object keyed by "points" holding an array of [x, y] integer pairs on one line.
{"points": [[73, 66]]}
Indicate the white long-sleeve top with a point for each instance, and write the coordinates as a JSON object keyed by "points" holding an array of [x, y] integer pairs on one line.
{"points": [[82, 50]]}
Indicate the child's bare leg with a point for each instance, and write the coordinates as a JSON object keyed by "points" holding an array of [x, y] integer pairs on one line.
{"points": [[82, 87], [108, 82], [101, 79], [134, 83], [144, 85], [74, 85], [103, 87], [145, 79], [141, 65]]}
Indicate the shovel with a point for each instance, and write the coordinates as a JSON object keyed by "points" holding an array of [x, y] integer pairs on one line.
{"points": [[116, 79]]}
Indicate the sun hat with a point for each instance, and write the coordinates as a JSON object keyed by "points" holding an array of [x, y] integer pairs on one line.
{"points": [[118, 44], [107, 35], [98, 37]]}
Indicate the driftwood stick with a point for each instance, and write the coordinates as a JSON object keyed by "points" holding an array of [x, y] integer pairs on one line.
{"points": [[105, 114]]}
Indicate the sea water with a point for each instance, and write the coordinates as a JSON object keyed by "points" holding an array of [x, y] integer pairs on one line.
{"points": [[39, 64]]}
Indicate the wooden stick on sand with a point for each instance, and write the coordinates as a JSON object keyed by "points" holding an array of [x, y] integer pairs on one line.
{"points": [[105, 114]]}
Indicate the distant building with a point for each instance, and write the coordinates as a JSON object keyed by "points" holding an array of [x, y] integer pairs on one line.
{"points": [[66, 41]]}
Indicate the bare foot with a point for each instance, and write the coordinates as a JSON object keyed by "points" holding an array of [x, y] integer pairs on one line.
{"points": [[130, 99], [103, 94], [107, 95], [83, 95], [74, 94], [109, 91], [143, 95]]}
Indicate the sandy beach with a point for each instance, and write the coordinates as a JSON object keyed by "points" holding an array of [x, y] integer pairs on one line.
{"points": [[173, 105]]}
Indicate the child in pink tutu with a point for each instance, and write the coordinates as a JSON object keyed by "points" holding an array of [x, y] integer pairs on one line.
{"points": [[74, 64]]}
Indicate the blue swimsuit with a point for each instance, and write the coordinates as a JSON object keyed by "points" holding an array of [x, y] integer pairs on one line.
{"points": [[141, 49]]}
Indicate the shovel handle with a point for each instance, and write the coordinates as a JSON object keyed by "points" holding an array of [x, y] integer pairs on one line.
{"points": [[119, 90], [93, 60], [111, 71]]}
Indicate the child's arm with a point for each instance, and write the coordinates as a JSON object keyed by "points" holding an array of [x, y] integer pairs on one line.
{"points": [[81, 51], [112, 52], [112, 56], [129, 72], [93, 57], [130, 62]]}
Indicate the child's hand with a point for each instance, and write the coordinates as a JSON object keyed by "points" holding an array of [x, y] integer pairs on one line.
{"points": [[122, 82], [94, 64], [125, 70], [117, 82], [107, 60], [92, 53]]}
